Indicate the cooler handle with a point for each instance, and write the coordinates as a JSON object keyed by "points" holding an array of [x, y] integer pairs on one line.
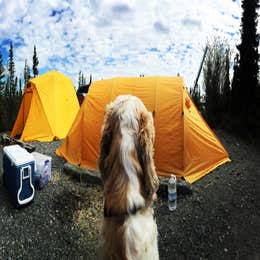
{"points": [[23, 177]]}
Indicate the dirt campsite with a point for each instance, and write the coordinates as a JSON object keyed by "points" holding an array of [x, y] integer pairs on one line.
{"points": [[220, 219]]}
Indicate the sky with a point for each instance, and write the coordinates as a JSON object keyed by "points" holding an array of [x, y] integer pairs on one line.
{"points": [[108, 38]]}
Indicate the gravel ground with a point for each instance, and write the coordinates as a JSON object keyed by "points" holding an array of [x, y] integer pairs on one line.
{"points": [[220, 220]]}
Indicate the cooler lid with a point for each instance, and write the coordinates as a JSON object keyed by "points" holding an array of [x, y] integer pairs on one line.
{"points": [[18, 155], [39, 157]]}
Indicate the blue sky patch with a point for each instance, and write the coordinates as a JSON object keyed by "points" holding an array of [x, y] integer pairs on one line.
{"points": [[4, 48], [20, 19], [4, 52], [124, 58], [56, 59], [231, 33], [170, 47], [109, 61], [160, 27], [5, 42], [153, 49], [56, 12], [121, 8], [18, 41]]}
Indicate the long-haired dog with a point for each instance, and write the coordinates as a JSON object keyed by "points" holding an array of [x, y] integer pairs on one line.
{"points": [[126, 164]]}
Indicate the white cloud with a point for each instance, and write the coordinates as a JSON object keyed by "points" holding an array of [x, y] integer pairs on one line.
{"points": [[82, 35]]}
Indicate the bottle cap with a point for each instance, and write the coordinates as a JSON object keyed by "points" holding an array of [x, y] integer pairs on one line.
{"points": [[173, 177]]}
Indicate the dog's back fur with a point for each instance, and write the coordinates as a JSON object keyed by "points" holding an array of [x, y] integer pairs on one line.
{"points": [[130, 182]]}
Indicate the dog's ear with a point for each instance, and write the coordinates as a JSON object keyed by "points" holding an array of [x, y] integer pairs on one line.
{"points": [[145, 155], [105, 143]]}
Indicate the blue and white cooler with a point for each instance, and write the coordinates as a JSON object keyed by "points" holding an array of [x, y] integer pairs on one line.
{"points": [[18, 174]]}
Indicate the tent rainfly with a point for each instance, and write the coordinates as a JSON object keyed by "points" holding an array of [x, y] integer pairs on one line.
{"points": [[184, 143], [48, 108]]}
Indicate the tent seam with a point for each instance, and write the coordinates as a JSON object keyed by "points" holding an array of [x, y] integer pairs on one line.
{"points": [[183, 126]]}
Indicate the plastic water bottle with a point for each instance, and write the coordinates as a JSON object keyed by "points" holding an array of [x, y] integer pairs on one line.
{"points": [[172, 193]]}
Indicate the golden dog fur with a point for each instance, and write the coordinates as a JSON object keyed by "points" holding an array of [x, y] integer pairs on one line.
{"points": [[130, 181]]}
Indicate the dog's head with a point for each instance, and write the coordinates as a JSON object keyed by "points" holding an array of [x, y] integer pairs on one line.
{"points": [[126, 156]]}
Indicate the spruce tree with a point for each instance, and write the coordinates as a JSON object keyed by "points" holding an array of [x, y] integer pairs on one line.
{"points": [[2, 86], [35, 62], [16, 86], [26, 73], [6, 88], [196, 96], [216, 81], [195, 92], [258, 110], [246, 75], [11, 71], [20, 89], [79, 80], [2, 75], [83, 79], [90, 79], [10, 90], [234, 104], [226, 85]]}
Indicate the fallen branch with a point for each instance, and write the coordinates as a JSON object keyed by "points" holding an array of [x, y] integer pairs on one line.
{"points": [[82, 174], [7, 140], [93, 176]]}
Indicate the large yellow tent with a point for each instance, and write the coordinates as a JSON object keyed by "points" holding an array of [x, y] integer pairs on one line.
{"points": [[184, 143], [48, 109]]}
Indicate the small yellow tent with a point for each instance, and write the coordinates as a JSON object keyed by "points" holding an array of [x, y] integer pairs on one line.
{"points": [[48, 108], [184, 143]]}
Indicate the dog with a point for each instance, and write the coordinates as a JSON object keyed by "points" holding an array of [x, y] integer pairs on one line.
{"points": [[129, 231]]}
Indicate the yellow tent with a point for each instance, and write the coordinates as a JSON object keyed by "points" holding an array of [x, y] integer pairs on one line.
{"points": [[48, 108], [184, 143]]}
